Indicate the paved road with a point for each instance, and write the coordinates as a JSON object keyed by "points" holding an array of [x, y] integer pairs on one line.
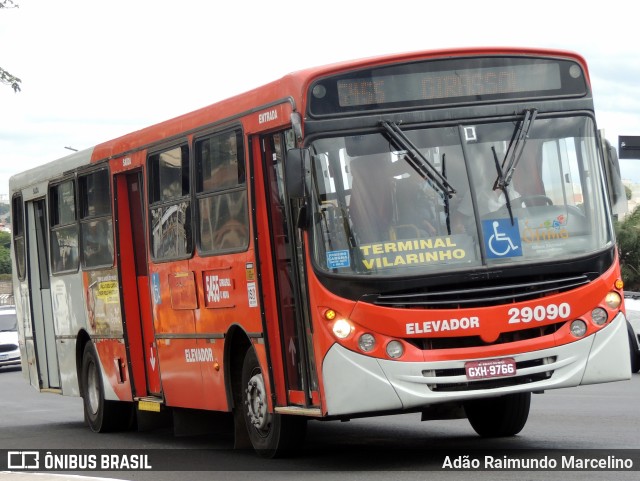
{"points": [[602, 417]]}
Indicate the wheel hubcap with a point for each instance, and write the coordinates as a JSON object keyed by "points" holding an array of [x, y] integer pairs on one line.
{"points": [[93, 389], [256, 402]]}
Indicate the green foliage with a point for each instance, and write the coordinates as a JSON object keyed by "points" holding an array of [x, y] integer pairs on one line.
{"points": [[5, 253], [628, 235], [5, 261]]}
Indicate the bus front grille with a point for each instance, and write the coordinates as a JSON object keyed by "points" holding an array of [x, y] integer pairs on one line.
{"points": [[435, 343], [481, 294]]}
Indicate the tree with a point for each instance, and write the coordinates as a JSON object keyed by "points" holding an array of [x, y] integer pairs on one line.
{"points": [[5, 77], [5, 253], [628, 236]]}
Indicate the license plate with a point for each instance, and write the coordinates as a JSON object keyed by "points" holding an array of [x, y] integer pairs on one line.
{"points": [[4, 356], [491, 368]]}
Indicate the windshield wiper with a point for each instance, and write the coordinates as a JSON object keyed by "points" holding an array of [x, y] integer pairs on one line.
{"points": [[512, 156], [417, 160], [421, 165], [500, 184], [515, 149]]}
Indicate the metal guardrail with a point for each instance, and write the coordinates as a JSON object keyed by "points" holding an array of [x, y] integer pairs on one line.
{"points": [[6, 299]]}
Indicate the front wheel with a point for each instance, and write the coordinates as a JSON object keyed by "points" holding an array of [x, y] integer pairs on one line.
{"points": [[635, 360], [499, 416], [271, 434], [101, 415]]}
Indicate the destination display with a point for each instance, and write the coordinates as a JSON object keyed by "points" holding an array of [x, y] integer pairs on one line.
{"points": [[449, 84], [446, 81]]}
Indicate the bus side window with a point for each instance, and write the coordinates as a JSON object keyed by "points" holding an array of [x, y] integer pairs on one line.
{"points": [[223, 216], [17, 221], [170, 204], [64, 228], [96, 226]]}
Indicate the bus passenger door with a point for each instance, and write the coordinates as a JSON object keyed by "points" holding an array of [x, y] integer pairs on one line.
{"points": [[287, 283], [134, 278], [41, 305]]}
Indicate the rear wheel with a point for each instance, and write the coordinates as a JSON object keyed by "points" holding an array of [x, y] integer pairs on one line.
{"points": [[101, 415], [499, 416], [635, 361], [271, 434]]}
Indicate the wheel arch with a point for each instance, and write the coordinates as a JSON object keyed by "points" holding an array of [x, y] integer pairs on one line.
{"points": [[237, 342], [81, 341]]}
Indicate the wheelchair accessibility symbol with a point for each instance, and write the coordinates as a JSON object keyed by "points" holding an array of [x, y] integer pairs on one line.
{"points": [[501, 239]]}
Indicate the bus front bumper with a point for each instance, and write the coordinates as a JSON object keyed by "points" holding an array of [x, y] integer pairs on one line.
{"points": [[356, 384]]}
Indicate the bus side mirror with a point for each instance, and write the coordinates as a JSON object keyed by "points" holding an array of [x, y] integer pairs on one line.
{"points": [[617, 194], [297, 169]]}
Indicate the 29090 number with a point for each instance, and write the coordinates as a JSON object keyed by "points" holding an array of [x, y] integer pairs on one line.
{"points": [[539, 313]]}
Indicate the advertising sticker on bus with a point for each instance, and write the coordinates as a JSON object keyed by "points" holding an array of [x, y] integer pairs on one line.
{"points": [[219, 287]]}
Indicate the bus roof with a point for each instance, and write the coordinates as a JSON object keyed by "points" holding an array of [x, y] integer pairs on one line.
{"points": [[55, 168], [291, 87]]}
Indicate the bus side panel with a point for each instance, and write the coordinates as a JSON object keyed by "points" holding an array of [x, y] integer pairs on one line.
{"points": [[113, 359], [25, 334], [181, 375], [179, 352], [69, 317], [104, 325], [226, 297], [214, 393]]}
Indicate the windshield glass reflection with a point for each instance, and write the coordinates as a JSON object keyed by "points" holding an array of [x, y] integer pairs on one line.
{"points": [[414, 201]]}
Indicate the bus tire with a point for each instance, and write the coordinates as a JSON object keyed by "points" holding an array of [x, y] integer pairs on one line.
{"points": [[634, 355], [499, 416], [635, 361], [272, 435], [100, 414]]}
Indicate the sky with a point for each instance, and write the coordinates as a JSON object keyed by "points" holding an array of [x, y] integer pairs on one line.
{"points": [[94, 70]]}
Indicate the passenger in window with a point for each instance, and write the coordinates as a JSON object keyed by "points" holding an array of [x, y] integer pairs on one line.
{"points": [[488, 199], [97, 244], [225, 172], [172, 191], [231, 231], [416, 206], [371, 203]]}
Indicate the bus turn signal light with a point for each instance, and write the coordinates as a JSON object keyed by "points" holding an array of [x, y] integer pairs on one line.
{"points": [[329, 314]]}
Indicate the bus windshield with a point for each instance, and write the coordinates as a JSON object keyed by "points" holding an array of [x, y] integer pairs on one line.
{"points": [[409, 201]]}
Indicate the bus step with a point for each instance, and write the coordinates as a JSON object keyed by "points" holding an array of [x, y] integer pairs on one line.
{"points": [[150, 403], [299, 411]]}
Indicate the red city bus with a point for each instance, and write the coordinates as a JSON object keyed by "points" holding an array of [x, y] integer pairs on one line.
{"points": [[427, 232]]}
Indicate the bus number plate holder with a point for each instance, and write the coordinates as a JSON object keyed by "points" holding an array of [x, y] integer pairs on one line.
{"points": [[490, 368]]}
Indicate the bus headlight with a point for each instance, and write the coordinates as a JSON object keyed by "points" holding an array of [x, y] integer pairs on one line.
{"points": [[578, 328], [342, 328], [613, 300], [367, 342], [599, 316], [395, 349]]}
